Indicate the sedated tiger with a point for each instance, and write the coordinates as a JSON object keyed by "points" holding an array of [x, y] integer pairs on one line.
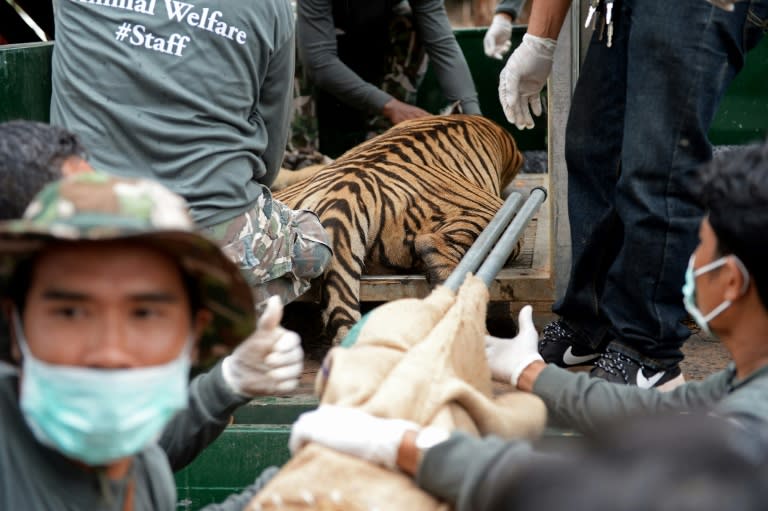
{"points": [[414, 198]]}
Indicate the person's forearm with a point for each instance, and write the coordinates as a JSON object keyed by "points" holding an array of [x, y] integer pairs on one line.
{"points": [[408, 456], [529, 375], [547, 17], [211, 403], [445, 55], [509, 8], [316, 37]]}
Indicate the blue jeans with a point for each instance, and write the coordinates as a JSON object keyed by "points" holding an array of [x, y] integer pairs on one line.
{"points": [[636, 135]]}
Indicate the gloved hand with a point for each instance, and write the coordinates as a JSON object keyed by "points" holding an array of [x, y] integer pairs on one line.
{"points": [[497, 39], [352, 432], [523, 78], [724, 4], [269, 361], [508, 358]]}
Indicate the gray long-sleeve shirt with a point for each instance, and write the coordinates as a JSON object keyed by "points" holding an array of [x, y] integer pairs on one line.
{"points": [[511, 7], [197, 95], [316, 33], [33, 476], [583, 403], [464, 469]]}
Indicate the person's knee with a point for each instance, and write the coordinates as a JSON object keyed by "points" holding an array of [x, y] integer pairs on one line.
{"points": [[312, 247]]}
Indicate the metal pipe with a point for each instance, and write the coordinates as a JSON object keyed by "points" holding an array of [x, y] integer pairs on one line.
{"points": [[506, 244], [484, 242]]}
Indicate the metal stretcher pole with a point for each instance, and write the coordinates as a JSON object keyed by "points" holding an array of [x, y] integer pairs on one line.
{"points": [[484, 243], [506, 244]]}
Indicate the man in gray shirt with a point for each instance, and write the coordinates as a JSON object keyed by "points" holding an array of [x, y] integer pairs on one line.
{"points": [[344, 47], [726, 291], [199, 98], [113, 296]]}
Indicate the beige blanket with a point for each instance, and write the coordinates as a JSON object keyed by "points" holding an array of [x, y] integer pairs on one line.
{"points": [[421, 360]]}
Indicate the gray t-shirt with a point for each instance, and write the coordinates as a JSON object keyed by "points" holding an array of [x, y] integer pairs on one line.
{"points": [[195, 94], [316, 32]]}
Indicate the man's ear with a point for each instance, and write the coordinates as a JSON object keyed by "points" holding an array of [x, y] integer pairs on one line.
{"points": [[6, 309], [202, 319], [738, 279]]}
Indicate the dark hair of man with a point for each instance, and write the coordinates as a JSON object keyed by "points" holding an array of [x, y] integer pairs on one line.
{"points": [[31, 155], [734, 192]]}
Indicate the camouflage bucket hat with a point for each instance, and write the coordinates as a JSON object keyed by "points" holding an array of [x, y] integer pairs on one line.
{"points": [[97, 206]]}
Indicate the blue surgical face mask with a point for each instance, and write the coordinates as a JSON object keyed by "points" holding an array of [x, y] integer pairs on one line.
{"points": [[99, 415], [689, 291]]}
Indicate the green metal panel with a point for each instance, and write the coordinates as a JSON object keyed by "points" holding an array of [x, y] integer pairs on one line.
{"points": [[231, 463], [743, 113], [25, 81], [244, 450], [485, 73], [275, 410]]}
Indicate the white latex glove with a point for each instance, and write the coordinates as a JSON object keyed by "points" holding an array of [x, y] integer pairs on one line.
{"points": [[269, 361], [726, 5], [508, 358], [352, 432], [523, 78], [497, 39]]}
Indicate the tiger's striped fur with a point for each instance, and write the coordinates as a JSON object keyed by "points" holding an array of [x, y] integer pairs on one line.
{"points": [[413, 198]]}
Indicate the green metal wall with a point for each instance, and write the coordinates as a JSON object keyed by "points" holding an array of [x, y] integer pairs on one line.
{"points": [[25, 81]]}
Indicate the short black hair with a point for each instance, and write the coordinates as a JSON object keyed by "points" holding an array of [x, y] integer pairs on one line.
{"points": [[31, 155], [734, 192]]}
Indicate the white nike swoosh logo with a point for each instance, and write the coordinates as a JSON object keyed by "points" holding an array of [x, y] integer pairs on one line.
{"points": [[574, 360], [647, 383]]}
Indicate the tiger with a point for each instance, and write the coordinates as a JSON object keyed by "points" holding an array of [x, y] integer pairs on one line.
{"points": [[411, 199]]}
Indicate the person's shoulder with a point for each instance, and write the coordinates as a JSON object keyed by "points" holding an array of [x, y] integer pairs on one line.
{"points": [[9, 381], [7, 371]]}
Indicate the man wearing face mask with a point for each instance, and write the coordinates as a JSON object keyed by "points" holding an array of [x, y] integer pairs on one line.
{"points": [[726, 291], [112, 295]]}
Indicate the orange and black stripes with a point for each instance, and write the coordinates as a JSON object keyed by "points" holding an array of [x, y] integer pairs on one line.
{"points": [[413, 198]]}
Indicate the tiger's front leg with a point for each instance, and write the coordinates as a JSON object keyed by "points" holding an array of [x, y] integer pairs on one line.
{"points": [[341, 298], [440, 252]]}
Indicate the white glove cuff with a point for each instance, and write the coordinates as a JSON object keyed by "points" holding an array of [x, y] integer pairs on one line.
{"points": [[228, 374], [541, 46], [517, 370], [389, 443]]}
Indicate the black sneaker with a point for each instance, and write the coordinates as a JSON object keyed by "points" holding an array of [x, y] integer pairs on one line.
{"points": [[558, 345], [618, 368]]}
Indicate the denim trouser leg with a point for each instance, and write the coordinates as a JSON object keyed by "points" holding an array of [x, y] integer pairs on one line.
{"points": [[678, 59], [592, 153]]}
